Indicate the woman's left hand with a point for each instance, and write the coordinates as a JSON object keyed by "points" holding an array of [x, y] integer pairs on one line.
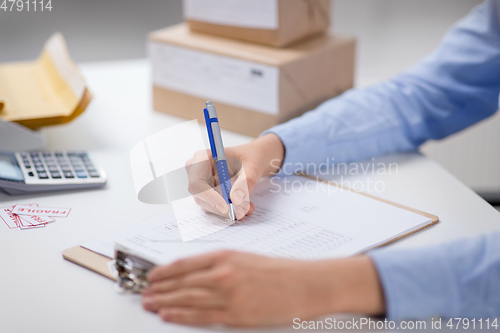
{"points": [[241, 289]]}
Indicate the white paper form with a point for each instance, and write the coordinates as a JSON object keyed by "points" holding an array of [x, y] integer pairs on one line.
{"points": [[193, 222], [319, 221], [162, 156], [257, 14], [222, 79], [368, 222]]}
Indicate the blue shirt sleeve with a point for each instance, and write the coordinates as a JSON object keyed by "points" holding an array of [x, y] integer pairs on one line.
{"points": [[455, 280], [454, 87]]}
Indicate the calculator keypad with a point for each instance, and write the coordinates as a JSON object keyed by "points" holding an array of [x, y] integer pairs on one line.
{"points": [[58, 165]]}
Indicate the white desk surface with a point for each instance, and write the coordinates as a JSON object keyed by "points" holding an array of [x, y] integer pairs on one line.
{"points": [[41, 292]]}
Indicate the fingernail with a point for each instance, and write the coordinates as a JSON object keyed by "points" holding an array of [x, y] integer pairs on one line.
{"points": [[220, 208], [165, 315], [239, 195], [147, 302]]}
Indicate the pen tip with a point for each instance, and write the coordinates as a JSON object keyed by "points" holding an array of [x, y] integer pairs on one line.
{"points": [[232, 212], [208, 103]]}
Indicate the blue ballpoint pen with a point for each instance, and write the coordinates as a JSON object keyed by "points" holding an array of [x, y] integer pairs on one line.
{"points": [[218, 154]]}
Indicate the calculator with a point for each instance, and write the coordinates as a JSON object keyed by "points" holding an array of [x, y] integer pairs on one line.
{"points": [[40, 171]]}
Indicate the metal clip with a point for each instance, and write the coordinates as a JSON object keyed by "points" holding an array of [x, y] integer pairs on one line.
{"points": [[132, 270]]}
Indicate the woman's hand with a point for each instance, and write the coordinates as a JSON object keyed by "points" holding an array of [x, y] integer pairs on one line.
{"points": [[246, 165], [241, 289]]}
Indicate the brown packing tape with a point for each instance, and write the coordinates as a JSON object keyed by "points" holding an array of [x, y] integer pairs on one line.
{"points": [[36, 123]]}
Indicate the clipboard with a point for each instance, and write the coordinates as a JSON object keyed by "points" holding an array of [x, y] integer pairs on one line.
{"points": [[99, 263]]}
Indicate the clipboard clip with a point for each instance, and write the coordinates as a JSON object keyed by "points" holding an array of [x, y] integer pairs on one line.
{"points": [[131, 270]]}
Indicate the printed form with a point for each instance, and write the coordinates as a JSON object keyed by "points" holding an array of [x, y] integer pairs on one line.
{"points": [[308, 220]]}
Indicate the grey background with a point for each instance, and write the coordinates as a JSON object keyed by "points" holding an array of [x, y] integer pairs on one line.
{"points": [[392, 34], [94, 29]]}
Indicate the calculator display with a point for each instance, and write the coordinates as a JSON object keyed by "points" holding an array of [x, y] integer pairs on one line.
{"points": [[9, 169]]}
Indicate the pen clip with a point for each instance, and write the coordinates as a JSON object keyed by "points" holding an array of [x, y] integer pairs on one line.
{"points": [[208, 122]]}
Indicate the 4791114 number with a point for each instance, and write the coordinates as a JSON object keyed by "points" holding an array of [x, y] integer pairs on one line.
{"points": [[26, 5], [465, 324]]}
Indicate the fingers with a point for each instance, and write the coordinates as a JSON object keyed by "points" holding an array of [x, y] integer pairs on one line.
{"points": [[189, 316], [252, 208], [247, 178], [241, 211], [200, 183], [204, 278], [187, 165], [200, 174], [207, 207], [203, 192], [187, 297], [184, 266]]}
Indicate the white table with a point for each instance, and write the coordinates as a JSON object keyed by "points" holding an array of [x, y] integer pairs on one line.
{"points": [[41, 292]]}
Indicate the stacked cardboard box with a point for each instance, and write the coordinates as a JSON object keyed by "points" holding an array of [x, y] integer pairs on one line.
{"points": [[253, 85], [271, 22]]}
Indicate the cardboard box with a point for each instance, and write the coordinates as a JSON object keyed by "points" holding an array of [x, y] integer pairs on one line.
{"points": [[271, 22], [253, 86]]}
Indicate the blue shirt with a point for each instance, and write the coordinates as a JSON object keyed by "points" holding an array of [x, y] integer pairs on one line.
{"points": [[455, 87]]}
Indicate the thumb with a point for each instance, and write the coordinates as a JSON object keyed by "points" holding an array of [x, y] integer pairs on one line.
{"points": [[247, 178]]}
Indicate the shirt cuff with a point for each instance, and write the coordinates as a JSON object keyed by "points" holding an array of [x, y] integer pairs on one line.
{"points": [[417, 283], [304, 142]]}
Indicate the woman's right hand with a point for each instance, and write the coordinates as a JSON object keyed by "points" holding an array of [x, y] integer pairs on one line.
{"points": [[246, 164]]}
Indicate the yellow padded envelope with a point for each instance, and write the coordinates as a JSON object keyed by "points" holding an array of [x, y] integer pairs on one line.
{"points": [[47, 91]]}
